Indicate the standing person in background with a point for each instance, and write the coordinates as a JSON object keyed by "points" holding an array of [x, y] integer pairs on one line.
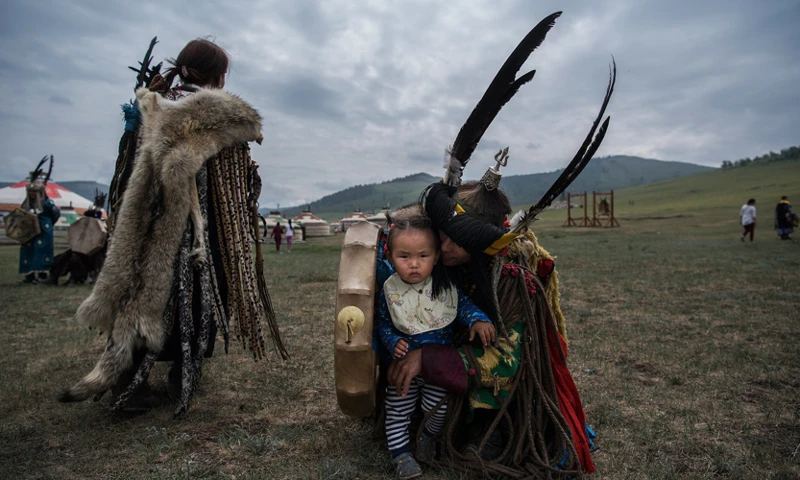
{"points": [[289, 236], [747, 218], [784, 217], [36, 255], [276, 234]]}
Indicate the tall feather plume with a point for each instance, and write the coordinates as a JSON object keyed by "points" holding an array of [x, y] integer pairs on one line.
{"points": [[579, 162], [144, 72], [500, 91], [38, 170], [49, 170]]}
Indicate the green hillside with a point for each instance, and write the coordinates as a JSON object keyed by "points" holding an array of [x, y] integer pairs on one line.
{"points": [[368, 198], [602, 173], [706, 198]]}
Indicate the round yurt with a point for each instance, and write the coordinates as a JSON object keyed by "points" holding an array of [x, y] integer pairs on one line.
{"points": [[354, 217], [12, 196], [378, 219], [312, 225], [273, 219]]}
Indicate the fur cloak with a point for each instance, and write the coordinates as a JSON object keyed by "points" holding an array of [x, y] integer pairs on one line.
{"points": [[131, 293]]}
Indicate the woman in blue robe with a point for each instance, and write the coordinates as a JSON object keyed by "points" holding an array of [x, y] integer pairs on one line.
{"points": [[36, 256]]}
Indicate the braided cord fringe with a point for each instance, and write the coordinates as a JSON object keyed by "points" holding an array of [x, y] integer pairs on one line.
{"points": [[248, 299], [538, 434]]}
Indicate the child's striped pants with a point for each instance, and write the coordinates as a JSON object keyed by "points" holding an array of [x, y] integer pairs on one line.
{"points": [[399, 410]]}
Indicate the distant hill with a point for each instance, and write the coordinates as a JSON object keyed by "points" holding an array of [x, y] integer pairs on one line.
{"points": [[372, 197], [725, 190], [603, 173], [83, 188]]}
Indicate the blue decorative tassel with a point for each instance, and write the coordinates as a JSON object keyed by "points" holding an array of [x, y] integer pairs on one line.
{"points": [[130, 112]]}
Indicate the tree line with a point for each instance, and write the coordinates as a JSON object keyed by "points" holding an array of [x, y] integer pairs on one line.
{"points": [[791, 154]]}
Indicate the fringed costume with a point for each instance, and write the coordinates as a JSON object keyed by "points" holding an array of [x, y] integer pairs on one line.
{"points": [[36, 254], [785, 219], [180, 261], [514, 409]]}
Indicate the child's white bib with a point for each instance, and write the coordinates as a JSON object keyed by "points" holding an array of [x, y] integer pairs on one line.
{"points": [[412, 309]]}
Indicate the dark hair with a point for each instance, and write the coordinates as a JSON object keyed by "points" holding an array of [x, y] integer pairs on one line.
{"points": [[752, 201], [784, 197], [202, 60], [441, 280]]}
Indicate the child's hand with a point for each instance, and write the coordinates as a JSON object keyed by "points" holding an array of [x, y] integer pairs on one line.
{"points": [[484, 330], [401, 348]]}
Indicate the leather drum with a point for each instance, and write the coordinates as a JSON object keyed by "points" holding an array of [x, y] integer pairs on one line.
{"points": [[22, 226], [87, 235], [355, 363]]}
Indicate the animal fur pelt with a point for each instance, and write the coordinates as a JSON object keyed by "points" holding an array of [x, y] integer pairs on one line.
{"points": [[133, 289]]}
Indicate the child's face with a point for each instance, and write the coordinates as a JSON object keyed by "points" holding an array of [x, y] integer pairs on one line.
{"points": [[414, 254]]}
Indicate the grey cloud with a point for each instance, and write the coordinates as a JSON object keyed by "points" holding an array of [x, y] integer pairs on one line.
{"points": [[59, 100], [306, 96], [360, 92], [333, 186]]}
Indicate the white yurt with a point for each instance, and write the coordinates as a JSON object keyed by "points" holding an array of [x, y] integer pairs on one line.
{"points": [[312, 225], [273, 219], [354, 217], [12, 196], [378, 219]]}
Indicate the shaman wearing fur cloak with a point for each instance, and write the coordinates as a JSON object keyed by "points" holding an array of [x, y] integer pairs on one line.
{"points": [[180, 256]]}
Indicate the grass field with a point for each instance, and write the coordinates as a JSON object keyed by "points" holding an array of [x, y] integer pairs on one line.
{"points": [[684, 344]]}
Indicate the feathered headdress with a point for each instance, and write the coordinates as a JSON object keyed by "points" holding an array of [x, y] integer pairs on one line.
{"points": [[439, 199], [99, 199], [38, 172]]}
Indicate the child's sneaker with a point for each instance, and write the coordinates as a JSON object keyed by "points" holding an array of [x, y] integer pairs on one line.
{"points": [[426, 448], [406, 466]]}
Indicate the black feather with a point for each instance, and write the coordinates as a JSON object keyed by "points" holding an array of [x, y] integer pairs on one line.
{"points": [[144, 66], [49, 170], [500, 91], [581, 158]]}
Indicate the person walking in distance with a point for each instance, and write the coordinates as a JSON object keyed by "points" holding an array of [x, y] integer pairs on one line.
{"points": [[289, 235], [747, 218], [277, 233]]}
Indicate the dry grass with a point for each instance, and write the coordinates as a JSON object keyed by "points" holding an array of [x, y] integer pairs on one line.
{"points": [[684, 345]]}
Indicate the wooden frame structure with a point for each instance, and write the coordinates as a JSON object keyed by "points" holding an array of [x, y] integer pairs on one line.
{"points": [[576, 221], [606, 217]]}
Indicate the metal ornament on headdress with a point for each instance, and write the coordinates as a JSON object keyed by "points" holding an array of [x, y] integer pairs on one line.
{"points": [[491, 179]]}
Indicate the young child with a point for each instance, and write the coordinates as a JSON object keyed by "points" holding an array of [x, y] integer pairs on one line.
{"points": [[418, 305]]}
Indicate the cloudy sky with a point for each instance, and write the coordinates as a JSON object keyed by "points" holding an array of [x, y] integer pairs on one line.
{"points": [[365, 91]]}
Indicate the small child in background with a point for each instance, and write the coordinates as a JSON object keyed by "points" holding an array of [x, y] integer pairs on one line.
{"points": [[418, 305], [289, 234]]}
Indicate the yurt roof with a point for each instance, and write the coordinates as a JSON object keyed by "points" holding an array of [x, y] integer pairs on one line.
{"points": [[13, 195], [378, 217], [308, 218], [354, 217]]}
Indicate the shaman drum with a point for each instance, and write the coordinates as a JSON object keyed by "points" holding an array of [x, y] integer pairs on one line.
{"points": [[22, 226], [355, 363], [87, 235]]}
